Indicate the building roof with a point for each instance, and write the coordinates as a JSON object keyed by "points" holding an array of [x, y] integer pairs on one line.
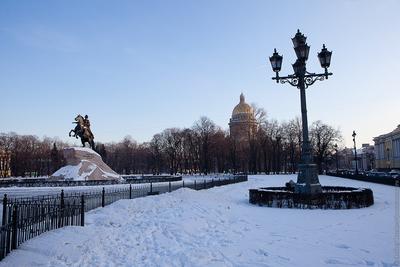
{"points": [[395, 131], [242, 107]]}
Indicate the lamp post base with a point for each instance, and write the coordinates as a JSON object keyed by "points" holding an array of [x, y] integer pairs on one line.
{"points": [[308, 189], [307, 180]]}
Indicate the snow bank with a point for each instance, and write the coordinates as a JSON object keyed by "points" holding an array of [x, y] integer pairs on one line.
{"points": [[218, 227]]}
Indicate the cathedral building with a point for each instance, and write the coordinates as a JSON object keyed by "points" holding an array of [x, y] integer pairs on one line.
{"points": [[242, 124]]}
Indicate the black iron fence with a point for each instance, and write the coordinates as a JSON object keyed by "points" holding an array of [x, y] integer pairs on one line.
{"points": [[25, 218], [371, 179], [127, 179]]}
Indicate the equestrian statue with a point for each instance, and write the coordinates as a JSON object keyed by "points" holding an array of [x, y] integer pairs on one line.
{"points": [[82, 130]]}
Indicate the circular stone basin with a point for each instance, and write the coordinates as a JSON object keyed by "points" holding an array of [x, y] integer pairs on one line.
{"points": [[332, 197]]}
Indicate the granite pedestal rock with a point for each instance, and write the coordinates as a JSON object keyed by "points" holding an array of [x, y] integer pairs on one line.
{"points": [[84, 164]]}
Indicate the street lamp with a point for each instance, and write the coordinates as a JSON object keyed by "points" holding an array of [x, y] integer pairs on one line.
{"points": [[337, 161], [307, 180], [355, 150], [276, 62]]}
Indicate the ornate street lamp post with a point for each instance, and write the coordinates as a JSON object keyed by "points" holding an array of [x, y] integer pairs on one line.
{"points": [[355, 150], [307, 180], [337, 160]]}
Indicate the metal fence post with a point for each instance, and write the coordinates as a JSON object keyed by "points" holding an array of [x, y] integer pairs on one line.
{"points": [[83, 210], [3, 222], [130, 191], [14, 227], [103, 192], [62, 199], [151, 187], [62, 206], [4, 244], [204, 183], [183, 183], [212, 182], [169, 186], [195, 186]]}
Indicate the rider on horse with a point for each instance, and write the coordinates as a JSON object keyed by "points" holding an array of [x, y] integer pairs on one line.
{"points": [[82, 130], [86, 126]]}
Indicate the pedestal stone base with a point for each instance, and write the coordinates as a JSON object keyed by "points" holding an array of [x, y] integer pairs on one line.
{"points": [[307, 180], [84, 164], [308, 189], [331, 197]]}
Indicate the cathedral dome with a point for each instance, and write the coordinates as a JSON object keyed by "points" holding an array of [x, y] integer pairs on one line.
{"points": [[242, 107]]}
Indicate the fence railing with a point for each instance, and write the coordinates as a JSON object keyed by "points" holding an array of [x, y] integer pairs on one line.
{"points": [[127, 179], [23, 221], [365, 178], [25, 218]]}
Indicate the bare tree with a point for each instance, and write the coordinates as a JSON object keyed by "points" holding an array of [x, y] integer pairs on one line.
{"points": [[205, 129], [323, 139], [292, 135], [260, 114]]}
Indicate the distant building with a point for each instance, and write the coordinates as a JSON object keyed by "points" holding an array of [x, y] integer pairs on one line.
{"points": [[242, 124], [242, 128], [365, 158], [346, 158], [5, 166], [387, 150]]}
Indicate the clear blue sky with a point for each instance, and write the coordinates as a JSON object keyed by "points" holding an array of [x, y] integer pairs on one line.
{"points": [[138, 67]]}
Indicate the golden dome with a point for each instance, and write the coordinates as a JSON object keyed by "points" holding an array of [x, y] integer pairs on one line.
{"points": [[242, 107]]}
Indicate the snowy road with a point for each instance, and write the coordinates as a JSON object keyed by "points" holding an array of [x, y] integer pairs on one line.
{"points": [[218, 227]]}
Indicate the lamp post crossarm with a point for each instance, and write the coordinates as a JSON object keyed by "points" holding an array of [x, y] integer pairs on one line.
{"points": [[291, 79], [309, 78]]}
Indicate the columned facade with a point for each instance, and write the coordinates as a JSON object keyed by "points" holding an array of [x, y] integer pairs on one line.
{"points": [[387, 150]]}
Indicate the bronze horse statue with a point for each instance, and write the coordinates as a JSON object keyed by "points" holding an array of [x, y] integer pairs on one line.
{"points": [[83, 131]]}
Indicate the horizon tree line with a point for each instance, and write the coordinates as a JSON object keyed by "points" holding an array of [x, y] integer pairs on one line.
{"points": [[203, 148]]}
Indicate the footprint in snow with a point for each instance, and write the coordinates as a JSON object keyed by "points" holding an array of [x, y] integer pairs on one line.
{"points": [[262, 252], [283, 258], [333, 261], [115, 224], [369, 263], [365, 250], [343, 246]]}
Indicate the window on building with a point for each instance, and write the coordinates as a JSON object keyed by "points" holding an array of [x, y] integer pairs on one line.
{"points": [[380, 151], [396, 148]]}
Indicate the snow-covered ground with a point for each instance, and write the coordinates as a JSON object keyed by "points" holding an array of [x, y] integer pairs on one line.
{"points": [[218, 227]]}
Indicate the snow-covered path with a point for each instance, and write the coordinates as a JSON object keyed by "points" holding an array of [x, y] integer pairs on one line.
{"points": [[218, 227]]}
